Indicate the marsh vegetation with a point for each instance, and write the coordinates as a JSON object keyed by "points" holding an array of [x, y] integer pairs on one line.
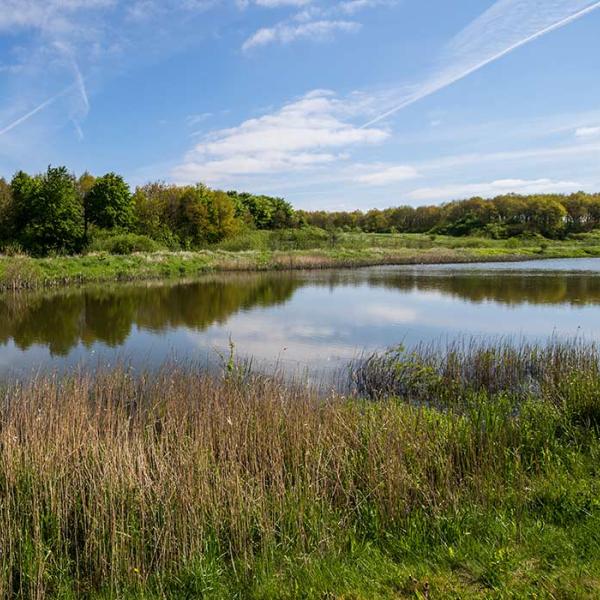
{"points": [[436, 477]]}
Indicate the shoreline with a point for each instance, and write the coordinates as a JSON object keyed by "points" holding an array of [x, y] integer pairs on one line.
{"points": [[22, 272]]}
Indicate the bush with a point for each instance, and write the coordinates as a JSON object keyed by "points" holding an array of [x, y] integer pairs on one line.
{"points": [[123, 243], [250, 239], [305, 238]]}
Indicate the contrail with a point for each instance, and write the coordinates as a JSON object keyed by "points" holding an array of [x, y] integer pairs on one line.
{"points": [[78, 83], [81, 87], [33, 112], [454, 72], [85, 108]]}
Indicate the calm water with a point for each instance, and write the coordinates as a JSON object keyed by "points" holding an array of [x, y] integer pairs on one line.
{"points": [[312, 321]]}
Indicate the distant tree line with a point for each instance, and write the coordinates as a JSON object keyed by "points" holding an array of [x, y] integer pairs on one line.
{"points": [[550, 215], [56, 212]]}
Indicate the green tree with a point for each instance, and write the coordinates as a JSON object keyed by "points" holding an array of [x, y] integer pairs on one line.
{"points": [[211, 215], [261, 210], [48, 216], [109, 203], [283, 215], [578, 215], [6, 210]]}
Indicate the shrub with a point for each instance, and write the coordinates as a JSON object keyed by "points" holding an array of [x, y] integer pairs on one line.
{"points": [[123, 243], [250, 239], [304, 238]]}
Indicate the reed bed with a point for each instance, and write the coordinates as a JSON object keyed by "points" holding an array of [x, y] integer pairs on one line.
{"points": [[444, 374], [180, 484]]}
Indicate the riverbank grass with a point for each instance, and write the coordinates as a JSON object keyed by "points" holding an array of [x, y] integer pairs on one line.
{"points": [[446, 483], [264, 250]]}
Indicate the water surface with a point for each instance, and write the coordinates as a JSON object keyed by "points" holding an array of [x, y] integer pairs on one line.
{"points": [[314, 321]]}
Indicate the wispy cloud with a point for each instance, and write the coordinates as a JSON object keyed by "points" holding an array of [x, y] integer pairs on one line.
{"points": [[506, 26], [284, 33], [47, 15], [387, 175], [586, 132], [351, 7], [193, 120], [316, 21], [537, 154], [147, 10], [275, 3], [311, 131], [493, 188]]}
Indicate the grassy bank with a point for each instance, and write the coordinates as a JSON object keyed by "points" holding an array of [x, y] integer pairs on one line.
{"points": [[449, 482], [264, 250]]}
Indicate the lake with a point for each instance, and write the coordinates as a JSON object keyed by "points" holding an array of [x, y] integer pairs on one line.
{"points": [[300, 321]]}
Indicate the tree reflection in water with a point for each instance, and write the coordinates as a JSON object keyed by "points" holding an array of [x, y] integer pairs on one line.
{"points": [[62, 319]]}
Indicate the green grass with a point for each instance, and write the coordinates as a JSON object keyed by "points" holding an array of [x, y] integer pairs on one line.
{"points": [[295, 249], [181, 484]]}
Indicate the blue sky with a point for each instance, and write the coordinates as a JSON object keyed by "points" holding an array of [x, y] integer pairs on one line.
{"points": [[334, 105]]}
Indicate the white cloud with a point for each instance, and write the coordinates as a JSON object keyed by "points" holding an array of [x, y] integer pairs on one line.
{"points": [[50, 15], [584, 132], [277, 3], [192, 120], [493, 188], [145, 10], [284, 33], [344, 8], [315, 21], [387, 175], [308, 132], [350, 7]]}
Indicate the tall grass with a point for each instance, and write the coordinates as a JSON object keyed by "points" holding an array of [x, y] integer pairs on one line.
{"points": [[444, 375], [180, 484]]}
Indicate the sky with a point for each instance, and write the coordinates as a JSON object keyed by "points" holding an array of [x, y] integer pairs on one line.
{"points": [[340, 105]]}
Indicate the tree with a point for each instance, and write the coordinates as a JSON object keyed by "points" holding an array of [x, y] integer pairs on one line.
{"points": [[48, 216], [283, 214], [6, 210], [578, 215], [84, 185], [211, 214], [109, 203]]}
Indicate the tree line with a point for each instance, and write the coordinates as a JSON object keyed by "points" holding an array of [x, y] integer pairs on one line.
{"points": [[57, 212], [550, 215]]}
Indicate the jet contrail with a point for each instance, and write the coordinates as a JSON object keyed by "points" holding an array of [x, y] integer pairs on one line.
{"points": [[31, 113], [80, 81], [37, 109], [456, 72]]}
